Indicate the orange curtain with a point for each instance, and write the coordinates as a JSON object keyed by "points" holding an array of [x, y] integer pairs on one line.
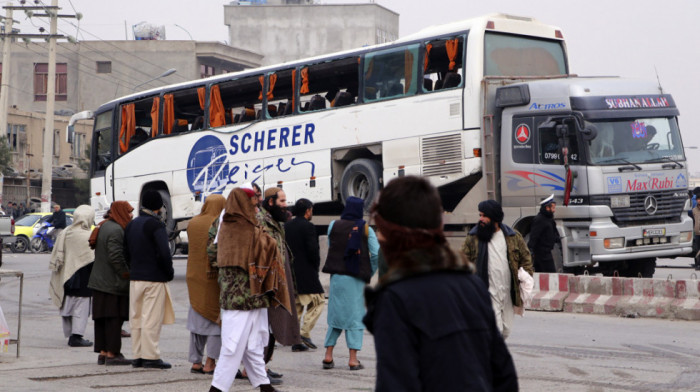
{"points": [[154, 116], [428, 47], [294, 90], [217, 113], [452, 45], [273, 80], [202, 95], [408, 69], [128, 126], [262, 86], [168, 113], [304, 81]]}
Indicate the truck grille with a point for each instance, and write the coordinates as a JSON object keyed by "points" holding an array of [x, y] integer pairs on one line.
{"points": [[669, 208], [442, 155]]}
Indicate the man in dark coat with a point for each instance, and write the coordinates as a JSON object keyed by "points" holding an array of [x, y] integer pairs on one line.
{"points": [[433, 325], [543, 236], [150, 306], [302, 240], [58, 220]]}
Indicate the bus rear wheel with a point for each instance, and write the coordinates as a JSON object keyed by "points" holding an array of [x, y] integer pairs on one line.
{"points": [[361, 178]]}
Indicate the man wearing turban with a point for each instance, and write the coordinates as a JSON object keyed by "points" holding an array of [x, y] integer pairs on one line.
{"points": [[498, 252]]}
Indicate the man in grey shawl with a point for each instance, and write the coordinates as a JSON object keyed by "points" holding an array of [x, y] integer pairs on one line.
{"points": [[71, 263]]}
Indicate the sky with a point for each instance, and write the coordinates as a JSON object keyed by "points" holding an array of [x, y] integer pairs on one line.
{"points": [[648, 39]]}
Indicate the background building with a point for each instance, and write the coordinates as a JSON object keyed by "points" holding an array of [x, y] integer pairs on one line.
{"points": [[285, 30]]}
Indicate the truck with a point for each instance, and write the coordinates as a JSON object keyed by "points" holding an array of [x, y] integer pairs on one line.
{"points": [[7, 232], [610, 151]]}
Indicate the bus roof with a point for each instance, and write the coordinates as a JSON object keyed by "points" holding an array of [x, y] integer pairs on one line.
{"points": [[501, 23]]}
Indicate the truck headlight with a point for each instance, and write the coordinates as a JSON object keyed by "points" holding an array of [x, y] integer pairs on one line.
{"points": [[614, 243], [686, 236]]}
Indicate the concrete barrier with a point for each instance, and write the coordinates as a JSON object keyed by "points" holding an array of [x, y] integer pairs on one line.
{"points": [[686, 306], [647, 297], [550, 291], [593, 294]]}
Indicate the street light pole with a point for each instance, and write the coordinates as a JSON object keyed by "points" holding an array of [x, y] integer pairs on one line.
{"points": [[164, 74]]}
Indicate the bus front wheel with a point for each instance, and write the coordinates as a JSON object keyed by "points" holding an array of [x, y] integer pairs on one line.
{"points": [[361, 178]]}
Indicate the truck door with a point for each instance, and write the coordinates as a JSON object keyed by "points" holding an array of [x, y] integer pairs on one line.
{"points": [[549, 165], [518, 177]]}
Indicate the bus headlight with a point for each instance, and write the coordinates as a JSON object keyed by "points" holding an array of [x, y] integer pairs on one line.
{"points": [[614, 243], [686, 236]]}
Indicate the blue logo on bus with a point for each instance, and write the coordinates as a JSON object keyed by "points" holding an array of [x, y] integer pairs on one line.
{"points": [[681, 181], [207, 166]]}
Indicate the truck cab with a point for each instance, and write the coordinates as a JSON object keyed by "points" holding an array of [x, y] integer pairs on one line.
{"points": [[610, 151]]}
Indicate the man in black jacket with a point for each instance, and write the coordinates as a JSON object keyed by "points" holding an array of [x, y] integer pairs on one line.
{"points": [[58, 220], [302, 240], [150, 306], [543, 236]]}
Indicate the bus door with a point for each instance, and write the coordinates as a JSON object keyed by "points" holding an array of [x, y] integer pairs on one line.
{"points": [[102, 169]]}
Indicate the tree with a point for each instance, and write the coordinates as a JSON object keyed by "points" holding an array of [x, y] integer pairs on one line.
{"points": [[5, 157]]}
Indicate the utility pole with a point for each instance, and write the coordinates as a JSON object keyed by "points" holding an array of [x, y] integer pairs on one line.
{"points": [[5, 82], [47, 162], [47, 167]]}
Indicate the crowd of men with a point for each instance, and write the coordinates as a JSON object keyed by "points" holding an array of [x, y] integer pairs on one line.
{"points": [[253, 282]]}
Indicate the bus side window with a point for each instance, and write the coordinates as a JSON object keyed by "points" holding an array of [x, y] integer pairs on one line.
{"points": [[138, 122], [242, 98], [187, 109], [443, 66], [391, 73], [322, 84], [280, 92]]}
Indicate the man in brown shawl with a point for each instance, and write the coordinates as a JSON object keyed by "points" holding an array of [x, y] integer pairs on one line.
{"points": [[251, 279], [203, 318], [284, 325]]}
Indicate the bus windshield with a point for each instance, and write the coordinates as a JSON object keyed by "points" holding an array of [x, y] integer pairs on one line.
{"points": [[641, 140]]}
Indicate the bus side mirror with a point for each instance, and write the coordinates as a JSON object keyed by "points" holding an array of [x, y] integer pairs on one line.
{"points": [[589, 132]]}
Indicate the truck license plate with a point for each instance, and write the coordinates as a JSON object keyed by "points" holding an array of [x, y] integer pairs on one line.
{"points": [[654, 232]]}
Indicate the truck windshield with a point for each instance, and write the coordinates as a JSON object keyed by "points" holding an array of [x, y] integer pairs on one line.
{"points": [[642, 140]]}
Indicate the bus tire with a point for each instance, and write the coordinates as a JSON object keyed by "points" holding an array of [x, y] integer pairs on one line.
{"points": [[361, 178]]}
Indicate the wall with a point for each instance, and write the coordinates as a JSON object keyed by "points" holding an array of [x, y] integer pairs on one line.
{"points": [[291, 32]]}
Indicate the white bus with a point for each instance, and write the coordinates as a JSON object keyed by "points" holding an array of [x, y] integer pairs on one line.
{"points": [[323, 128]]}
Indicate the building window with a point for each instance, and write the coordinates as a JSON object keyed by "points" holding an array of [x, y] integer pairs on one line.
{"points": [[56, 143], [206, 71], [16, 135], [104, 67], [41, 80], [78, 150]]}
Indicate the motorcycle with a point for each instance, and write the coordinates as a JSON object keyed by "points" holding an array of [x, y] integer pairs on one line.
{"points": [[42, 241]]}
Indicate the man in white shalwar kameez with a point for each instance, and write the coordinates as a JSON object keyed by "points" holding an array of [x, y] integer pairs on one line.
{"points": [[498, 252]]}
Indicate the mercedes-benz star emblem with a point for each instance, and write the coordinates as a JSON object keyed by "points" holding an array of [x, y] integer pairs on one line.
{"points": [[650, 205]]}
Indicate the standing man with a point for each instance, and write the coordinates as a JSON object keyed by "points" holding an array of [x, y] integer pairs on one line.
{"points": [[543, 236], [150, 305], [203, 320], [58, 220], [251, 278], [498, 251], [284, 326], [302, 239]]}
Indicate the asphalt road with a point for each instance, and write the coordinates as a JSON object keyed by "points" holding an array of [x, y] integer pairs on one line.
{"points": [[552, 351]]}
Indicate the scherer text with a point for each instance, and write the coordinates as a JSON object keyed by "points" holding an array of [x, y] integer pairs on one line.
{"points": [[270, 139]]}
